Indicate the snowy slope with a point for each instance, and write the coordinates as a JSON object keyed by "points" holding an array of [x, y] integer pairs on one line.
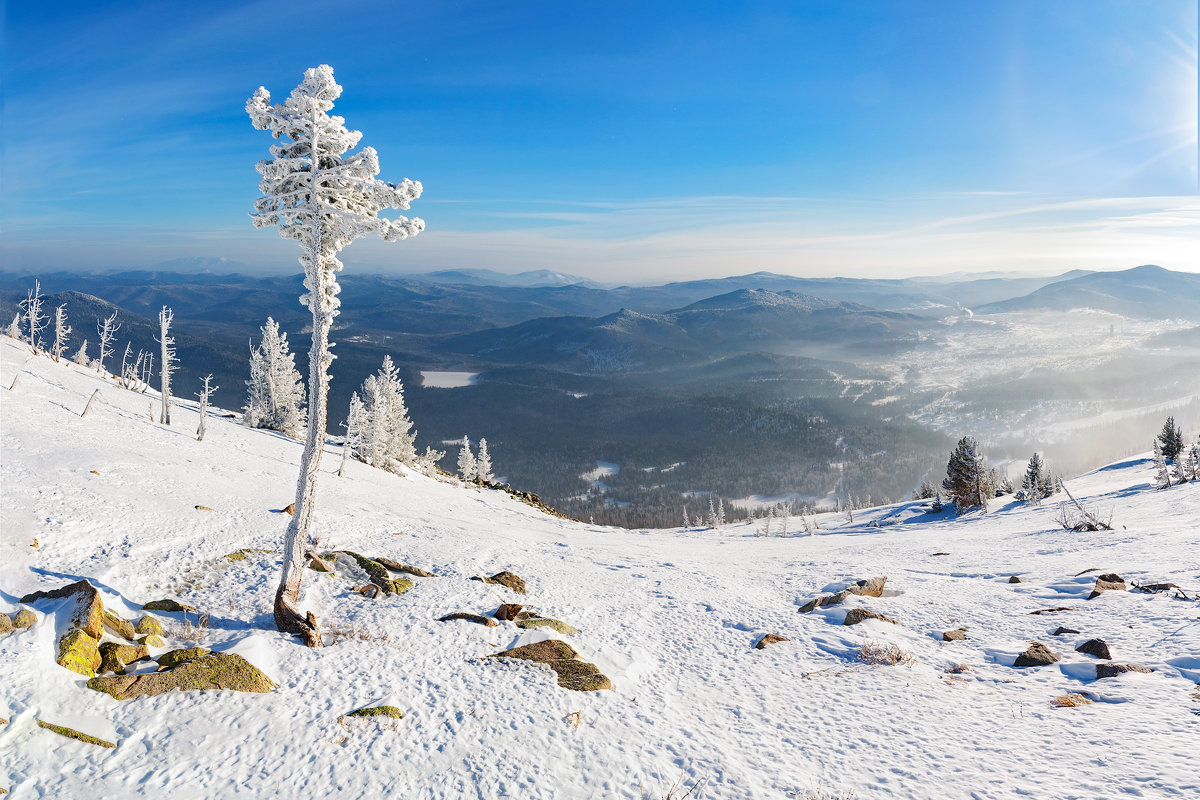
{"points": [[670, 616]]}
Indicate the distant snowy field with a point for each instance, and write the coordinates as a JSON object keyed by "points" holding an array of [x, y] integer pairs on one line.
{"points": [[440, 379], [670, 616]]}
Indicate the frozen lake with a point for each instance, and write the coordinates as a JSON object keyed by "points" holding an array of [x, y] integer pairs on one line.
{"points": [[438, 379]]}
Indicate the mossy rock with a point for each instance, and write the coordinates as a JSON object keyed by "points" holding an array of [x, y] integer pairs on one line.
{"points": [[118, 627], [211, 672], [317, 564], [397, 586], [24, 619], [183, 654], [408, 569], [88, 613], [509, 579], [377, 572], [476, 618], [79, 652], [546, 622], [857, 615], [378, 711], [170, 606], [115, 657], [548, 650], [148, 625], [71, 733], [579, 676], [152, 640], [6, 624]]}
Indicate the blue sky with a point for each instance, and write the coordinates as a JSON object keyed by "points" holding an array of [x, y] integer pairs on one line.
{"points": [[624, 141]]}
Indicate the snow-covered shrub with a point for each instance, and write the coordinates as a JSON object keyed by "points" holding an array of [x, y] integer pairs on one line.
{"points": [[884, 654]]}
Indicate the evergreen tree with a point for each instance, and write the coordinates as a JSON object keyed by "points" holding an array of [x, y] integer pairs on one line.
{"points": [[275, 398], [483, 463], [1171, 439], [467, 466], [967, 476], [14, 328], [1034, 484], [385, 436], [1162, 478], [81, 356]]}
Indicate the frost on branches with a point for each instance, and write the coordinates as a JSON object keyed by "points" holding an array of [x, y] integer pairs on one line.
{"points": [[382, 432], [483, 463], [275, 398], [167, 368], [317, 193], [467, 467]]}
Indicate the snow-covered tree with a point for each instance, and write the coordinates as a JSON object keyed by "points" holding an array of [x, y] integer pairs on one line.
{"points": [[1034, 484], [467, 466], [686, 522], [61, 331], [131, 370], [385, 437], [1171, 439], [204, 394], [167, 367], [352, 431], [107, 329], [34, 319], [323, 198], [275, 397], [720, 513], [966, 476], [14, 328], [81, 356], [1162, 478], [483, 463]]}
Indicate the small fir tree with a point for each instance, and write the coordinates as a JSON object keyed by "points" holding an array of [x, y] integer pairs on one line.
{"points": [[275, 391], [1171, 439], [483, 463], [1034, 483], [1162, 478], [467, 466], [14, 328], [81, 356], [966, 476], [385, 437]]}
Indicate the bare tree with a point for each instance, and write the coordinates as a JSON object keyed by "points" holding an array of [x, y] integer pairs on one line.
{"points": [[61, 331], [34, 318], [168, 362], [204, 394], [325, 199], [107, 329]]}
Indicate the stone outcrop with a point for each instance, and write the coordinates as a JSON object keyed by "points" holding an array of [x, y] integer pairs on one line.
{"points": [[956, 635], [769, 638], [547, 622], [857, 615], [1037, 655], [506, 578], [209, 672], [580, 676], [867, 587], [1113, 670], [1108, 582], [1095, 647]]}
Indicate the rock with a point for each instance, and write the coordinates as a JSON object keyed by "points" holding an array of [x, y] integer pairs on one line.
{"points": [[88, 613], [1054, 610], [1095, 647], [509, 579], [956, 635], [369, 591], [118, 627], [24, 618], [857, 615], [1061, 630], [868, 587], [317, 564], [203, 508], [1113, 670], [1151, 588], [408, 569], [169, 606], [481, 620], [78, 652], [573, 674], [378, 711], [289, 509], [1015, 579], [769, 638], [507, 611], [827, 600], [397, 586], [241, 555], [1108, 582], [6, 624], [71, 733], [546, 622], [115, 657], [176, 657], [380, 575], [148, 625], [152, 640], [206, 673], [1038, 655]]}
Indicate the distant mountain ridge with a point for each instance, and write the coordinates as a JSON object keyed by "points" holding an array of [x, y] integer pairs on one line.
{"points": [[1146, 292]]}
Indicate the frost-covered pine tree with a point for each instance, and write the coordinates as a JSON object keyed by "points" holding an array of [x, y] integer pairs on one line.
{"points": [[385, 439], [686, 522], [167, 368], [34, 319], [1034, 483], [204, 394], [466, 461], [323, 198], [14, 328], [107, 328], [275, 397], [81, 356], [720, 512], [61, 331], [1171, 439], [483, 463], [711, 521], [1162, 478], [966, 476], [353, 431]]}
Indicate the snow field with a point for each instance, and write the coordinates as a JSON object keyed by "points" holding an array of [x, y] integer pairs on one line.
{"points": [[670, 616]]}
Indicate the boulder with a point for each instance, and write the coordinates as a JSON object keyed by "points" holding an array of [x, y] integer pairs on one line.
{"points": [[206, 673], [1108, 582], [826, 600], [1054, 610], [509, 579], [148, 625], [769, 638], [152, 640], [88, 612], [118, 627], [115, 657], [6, 624], [1037, 655], [1059, 631], [1015, 579], [170, 606], [572, 673], [24, 618], [377, 711], [317, 564], [79, 652], [548, 650], [408, 569], [184, 654], [546, 622], [476, 618], [868, 587], [380, 575], [1095, 647], [508, 611], [71, 733], [956, 635], [857, 615], [1113, 670]]}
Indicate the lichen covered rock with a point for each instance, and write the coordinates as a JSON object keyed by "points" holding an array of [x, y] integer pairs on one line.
{"points": [[1037, 655], [170, 606], [1108, 582], [71, 733], [148, 625], [868, 587], [956, 635], [181, 655], [6, 624], [118, 627], [407, 569], [547, 622], [152, 640], [79, 652], [509, 579], [1113, 670], [580, 676], [209, 672], [24, 618], [508, 611], [769, 638], [88, 612], [857, 615], [377, 711], [115, 657], [1095, 647]]}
